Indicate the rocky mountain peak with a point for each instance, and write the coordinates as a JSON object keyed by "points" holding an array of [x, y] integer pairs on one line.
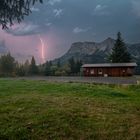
{"points": [[109, 40], [92, 52], [82, 48], [91, 47]]}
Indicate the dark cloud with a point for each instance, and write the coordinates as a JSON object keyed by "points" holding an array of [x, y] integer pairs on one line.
{"points": [[24, 29], [136, 7], [105, 17], [52, 2]]}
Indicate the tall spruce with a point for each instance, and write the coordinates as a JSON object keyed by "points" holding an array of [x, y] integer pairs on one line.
{"points": [[7, 65], [78, 65], [48, 66], [71, 62], [33, 67], [119, 52], [74, 65]]}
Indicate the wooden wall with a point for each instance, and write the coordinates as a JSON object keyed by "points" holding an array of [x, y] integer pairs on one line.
{"points": [[103, 71]]}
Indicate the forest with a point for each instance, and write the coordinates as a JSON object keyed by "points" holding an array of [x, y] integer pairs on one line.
{"points": [[9, 67]]}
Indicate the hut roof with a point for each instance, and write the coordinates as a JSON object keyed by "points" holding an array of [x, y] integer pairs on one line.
{"points": [[110, 65]]}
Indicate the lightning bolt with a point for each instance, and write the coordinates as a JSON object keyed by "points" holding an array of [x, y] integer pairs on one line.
{"points": [[42, 49]]}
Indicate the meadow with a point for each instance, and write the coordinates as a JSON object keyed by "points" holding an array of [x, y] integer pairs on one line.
{"points": [[40, 110]]}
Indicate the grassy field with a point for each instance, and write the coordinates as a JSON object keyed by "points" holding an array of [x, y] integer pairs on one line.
{"points": [[37, 110]]}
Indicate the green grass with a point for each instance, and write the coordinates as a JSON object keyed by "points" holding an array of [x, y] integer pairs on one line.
{"points": [[38, 110]]}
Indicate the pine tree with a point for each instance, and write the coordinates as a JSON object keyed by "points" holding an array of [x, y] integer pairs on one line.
{"points": [[7, 65], [58, 64], [20, 70], [119, 52], [33, 67], [27, 67], [72, 65], [48, 68], [78, 65], [75, 65]]}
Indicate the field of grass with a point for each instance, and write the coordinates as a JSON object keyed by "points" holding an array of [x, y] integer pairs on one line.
{"points": [[38, 110]]}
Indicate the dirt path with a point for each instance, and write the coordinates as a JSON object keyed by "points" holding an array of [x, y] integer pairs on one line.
{"points": [[104, 80]]}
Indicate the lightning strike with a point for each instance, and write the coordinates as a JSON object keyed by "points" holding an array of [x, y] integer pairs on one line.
{"points": [[42, 49]]}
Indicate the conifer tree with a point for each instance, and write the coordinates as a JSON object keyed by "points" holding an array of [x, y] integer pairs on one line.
{"points": [[48, 66], [71, 62], [78, 65], [7, 65], [27, 67], [119, 52], [33, 67], [75, 65]]}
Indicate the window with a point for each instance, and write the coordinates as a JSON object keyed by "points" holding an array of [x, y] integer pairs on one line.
{"points": [[92, 71], [123, 71], [100, 71]]}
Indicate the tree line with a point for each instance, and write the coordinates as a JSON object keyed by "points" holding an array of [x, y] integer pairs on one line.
{"points": [[10, 67]]}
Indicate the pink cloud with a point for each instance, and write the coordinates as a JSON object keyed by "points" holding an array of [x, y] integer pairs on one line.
{"points": [[30, 45], [24, 45]]}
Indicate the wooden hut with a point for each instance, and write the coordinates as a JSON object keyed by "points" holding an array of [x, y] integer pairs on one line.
{"points": [[109, 69]]}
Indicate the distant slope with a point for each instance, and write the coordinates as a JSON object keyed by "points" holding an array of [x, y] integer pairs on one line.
{"points": [[134, 49], [135, 52]]}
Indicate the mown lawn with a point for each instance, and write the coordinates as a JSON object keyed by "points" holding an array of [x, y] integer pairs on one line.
{"points": [[38, 110]]}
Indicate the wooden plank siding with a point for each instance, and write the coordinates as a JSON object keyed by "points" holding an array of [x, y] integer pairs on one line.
{"points": [[108, 71]]}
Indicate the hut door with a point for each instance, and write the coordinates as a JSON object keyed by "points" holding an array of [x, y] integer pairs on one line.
{"points": [[129, 72], [92, 72]]}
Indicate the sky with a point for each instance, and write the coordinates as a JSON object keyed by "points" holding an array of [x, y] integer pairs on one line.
{"points": [[59, 23]]}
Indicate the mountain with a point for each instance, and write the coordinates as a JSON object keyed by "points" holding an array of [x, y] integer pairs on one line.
{"points": [[89, 52], [134, 49], [92, 52]]}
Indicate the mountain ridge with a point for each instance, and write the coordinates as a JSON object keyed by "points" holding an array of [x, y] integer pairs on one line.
{"points": [[93, 52]]}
